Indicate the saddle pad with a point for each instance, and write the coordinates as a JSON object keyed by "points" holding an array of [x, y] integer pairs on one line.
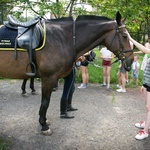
{"points": [[7, 37]]}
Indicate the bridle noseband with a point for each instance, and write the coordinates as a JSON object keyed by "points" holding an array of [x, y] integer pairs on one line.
{"points": [[121, 55]]}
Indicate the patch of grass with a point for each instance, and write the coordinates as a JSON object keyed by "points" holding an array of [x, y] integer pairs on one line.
{"points": [[113, 97], [4, 144]]}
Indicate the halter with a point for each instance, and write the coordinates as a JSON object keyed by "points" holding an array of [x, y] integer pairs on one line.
{"points": [[121, 56]]}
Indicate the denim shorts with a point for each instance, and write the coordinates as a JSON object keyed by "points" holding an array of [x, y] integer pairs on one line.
{"points": [[134, 75], [123, 70]]}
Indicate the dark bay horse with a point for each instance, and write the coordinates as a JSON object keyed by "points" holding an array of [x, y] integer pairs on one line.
{"points": [[66, 40]]}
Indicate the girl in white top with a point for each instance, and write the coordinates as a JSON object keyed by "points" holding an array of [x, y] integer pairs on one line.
{"points": [[106, 56]]}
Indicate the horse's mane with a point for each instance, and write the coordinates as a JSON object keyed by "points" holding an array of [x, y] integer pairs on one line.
{"points": [[61, 19], [81, 17], [92, 17]]}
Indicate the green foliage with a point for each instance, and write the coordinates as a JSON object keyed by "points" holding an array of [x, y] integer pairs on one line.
{"points": [[138, 18]]}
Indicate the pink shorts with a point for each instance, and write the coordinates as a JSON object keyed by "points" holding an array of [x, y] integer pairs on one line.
{"points": [[106, 63]]}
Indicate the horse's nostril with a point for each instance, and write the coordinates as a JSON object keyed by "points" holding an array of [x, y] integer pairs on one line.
{"points": [[128, 68]]}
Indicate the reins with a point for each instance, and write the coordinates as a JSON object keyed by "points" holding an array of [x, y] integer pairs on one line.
{"points": [[121, 55]]}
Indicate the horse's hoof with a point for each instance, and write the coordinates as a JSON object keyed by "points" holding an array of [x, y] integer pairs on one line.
{"points": [[24, 94], [48, 122], [47, 132], [34, 93]]}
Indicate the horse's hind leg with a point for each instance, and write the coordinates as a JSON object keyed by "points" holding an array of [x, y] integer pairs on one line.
{"points": [[23, 87], [32, 86], [47, 87]]}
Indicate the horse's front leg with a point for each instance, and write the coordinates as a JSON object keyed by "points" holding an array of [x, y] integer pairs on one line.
{"points": [[47, 87]]}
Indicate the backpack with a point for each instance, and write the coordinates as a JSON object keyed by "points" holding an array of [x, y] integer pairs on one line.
{"points": [[91, 56]]}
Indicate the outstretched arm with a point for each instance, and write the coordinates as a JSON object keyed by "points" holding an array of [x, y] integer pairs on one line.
{"points": [[138, 45]]}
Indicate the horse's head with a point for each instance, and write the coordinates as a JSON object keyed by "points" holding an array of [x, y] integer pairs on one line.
{"points": [[119, 44]]}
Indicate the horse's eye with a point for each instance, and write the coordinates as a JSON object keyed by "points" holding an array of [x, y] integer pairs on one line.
{"points": [[124, 35]]}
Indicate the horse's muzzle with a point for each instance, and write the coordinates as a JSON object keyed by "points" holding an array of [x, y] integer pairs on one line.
{"points": [[127, 68], [128, 64]]}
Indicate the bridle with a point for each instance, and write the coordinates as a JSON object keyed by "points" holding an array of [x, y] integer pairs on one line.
{"points": [[121, 55]]}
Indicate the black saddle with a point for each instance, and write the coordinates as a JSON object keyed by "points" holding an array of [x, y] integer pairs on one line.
{"points": [[30, 35], [14, 22]]}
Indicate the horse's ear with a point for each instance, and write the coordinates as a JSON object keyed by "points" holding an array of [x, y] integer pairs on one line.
{"points": [[118, 18], [124, 19]]}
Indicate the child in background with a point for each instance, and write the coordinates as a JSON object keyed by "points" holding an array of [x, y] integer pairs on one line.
{"points": [[106, 56], [135, 70], [84, 71], [122, 77]]}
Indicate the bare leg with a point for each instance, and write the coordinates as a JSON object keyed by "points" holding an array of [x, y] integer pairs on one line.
{"points": [[85, 75], [147, 122], [104, 75], [123, 79], [136, 81], [119, 78], [108, 76]]}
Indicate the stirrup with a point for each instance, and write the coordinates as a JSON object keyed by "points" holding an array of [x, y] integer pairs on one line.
{"points": [[34, 69]]}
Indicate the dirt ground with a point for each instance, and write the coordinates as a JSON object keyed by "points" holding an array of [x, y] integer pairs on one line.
{"points": [[104, 120]]}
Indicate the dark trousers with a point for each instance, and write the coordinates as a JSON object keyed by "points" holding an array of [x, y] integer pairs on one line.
{"points": [[68, 91]]}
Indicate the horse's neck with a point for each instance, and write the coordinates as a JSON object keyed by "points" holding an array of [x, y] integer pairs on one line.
{"points": [[90, 35]]}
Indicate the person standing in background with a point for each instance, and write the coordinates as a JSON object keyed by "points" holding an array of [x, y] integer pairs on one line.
{"points": [[106, 56], [84, 71], [121, 78], [67, 95], [135, 70]]}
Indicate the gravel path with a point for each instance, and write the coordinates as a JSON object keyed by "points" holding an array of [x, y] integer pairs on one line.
{"points": [[104, 120]]}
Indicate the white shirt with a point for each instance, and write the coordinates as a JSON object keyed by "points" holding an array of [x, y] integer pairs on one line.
{"points": [[105, 52], [135, 65]]}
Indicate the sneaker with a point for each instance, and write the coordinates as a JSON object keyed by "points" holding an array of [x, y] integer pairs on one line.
{"points": [[121, 90], [141, 135], [103, 85], [118, 86], [140, 125], [108, 88], [82, 86]]}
